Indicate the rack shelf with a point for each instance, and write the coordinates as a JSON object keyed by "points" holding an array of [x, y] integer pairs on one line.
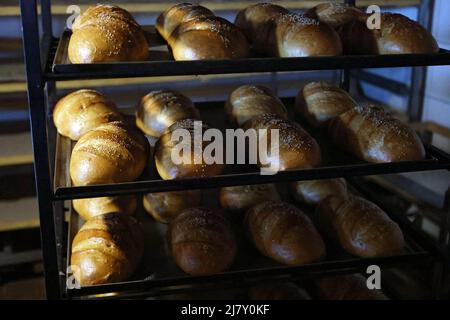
{"points": [[335, 164], [158, 271], [162, 63]]}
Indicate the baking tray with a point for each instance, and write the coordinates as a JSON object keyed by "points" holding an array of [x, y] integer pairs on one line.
{"points": [[161, 62], [159, 275], [335, 163]]}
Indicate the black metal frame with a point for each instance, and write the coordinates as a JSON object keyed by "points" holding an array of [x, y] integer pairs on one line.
{"points": [[42, 74]]}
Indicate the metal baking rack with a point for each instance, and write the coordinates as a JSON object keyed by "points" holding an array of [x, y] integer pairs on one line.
{"points": [[46, 63]]}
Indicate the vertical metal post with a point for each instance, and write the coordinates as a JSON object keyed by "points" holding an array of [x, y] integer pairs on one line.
{"points": [[445, 222], [46, 17], [345, 74], [36, 101], [419, 74]]}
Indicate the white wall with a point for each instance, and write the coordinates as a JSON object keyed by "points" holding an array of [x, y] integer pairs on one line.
{"points": [[437, 98]]}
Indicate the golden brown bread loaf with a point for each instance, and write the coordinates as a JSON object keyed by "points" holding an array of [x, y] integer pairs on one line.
{"points": [[111, 153], [373, 135], [241, 198], [297, 149], [398, 35], [208, 38], [188, 167], [313, 191], [319, 102], [202, 241], [359, 226], [257, 21], [299, 36], [107, 249], [92, 207], [346, 287], [165, 206], [81, 111], [284, 233], [106, 33], [335, 14], [278, 291], [250, 101], [277, 32], [175, 15], [159, 109]]}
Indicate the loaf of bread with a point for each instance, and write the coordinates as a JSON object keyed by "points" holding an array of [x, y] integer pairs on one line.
{"points": [[92, 207], [106, 33], [299, 36], [336, 14], [158, 110], [373, 135], [202, 241], [208, 38], [346, 287], [284, 233], [107, 249], [319, 102], [111, 153], [314, 191], [296, 148], [175, 15], [282, 290], [257, 21], [250, 101], [81, 111], [398, 35], [165, 206], [359, 226], [275, 32], [192, 162], [241, 198]]}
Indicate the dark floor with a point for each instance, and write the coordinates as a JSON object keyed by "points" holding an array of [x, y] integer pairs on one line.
{"points": [[29, 289]]}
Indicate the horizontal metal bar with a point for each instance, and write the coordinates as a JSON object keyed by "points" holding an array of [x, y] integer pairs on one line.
{"points": [[62, 69], [173, 68], [322, 268], [381, 81], [365, 169]]}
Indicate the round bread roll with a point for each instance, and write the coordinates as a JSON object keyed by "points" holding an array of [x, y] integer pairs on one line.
{"points": [[297, 149], [111, 153], [81, 111], [202, 241], [278, 291], [175, 15], [250, 101], [299, 36], [346, 287], [320, 102], [257, 21], [359, 226], [241, 198], [185, 148], [106, 33], [314, 191], [208, 38], [92, 207], [158, 110], [165, 206], [107, 249], [335, 14], [398, 35], [284, 233], [373, 135]]}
